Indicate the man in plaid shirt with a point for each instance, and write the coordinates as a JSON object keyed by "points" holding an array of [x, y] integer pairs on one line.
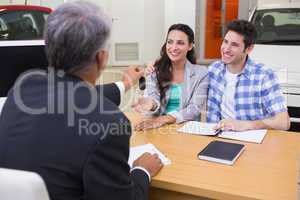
{"points": [[244, 95]]}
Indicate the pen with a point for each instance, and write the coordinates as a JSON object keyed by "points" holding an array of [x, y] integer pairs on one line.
{"points": [[218, 131]]}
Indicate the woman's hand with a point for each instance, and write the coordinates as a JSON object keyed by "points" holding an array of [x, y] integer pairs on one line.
{"points": [[144, 104], [155, 122]]}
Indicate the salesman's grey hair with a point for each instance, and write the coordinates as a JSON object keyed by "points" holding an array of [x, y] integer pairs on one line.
{"points": [[74, 33]]}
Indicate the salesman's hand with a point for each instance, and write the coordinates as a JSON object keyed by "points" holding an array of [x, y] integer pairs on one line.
{"points": [[151, 163], [149, 69], [131, 75]]}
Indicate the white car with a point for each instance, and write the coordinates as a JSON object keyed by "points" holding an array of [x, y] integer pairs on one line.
{"points": [[278, 47]]}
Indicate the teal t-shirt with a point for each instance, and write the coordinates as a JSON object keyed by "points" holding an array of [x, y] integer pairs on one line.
{"points": [[174, 100]]}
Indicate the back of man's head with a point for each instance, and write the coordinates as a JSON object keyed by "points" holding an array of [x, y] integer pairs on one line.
{"points": [[74, 33], [244, 28]]}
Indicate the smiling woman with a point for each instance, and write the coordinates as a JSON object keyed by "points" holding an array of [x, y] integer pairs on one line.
{"points": [[177, 89]]}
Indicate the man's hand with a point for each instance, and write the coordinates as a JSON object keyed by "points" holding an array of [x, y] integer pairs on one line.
{"points": [[149, 69], [233, 125], [281, 121], [151, 163], [144, 104], [131, 76]]}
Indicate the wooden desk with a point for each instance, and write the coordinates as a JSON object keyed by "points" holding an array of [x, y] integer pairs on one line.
{"points": [[264, 171]]}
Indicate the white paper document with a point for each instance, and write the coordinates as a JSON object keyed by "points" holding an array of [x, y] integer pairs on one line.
{"points": [[198, 128], [201, 128], [255, 136], [137, 151]]}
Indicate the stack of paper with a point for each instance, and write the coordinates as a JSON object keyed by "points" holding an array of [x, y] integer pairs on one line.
{"points": [[137, 151]]}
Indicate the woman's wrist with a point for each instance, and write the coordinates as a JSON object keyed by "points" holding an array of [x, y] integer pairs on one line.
{"points": [[169, 119]]}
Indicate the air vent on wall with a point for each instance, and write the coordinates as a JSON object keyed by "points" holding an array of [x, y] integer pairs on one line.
{"points": [[126, 51]]}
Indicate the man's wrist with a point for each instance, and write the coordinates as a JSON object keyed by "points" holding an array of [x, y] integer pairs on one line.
{"points": [[144, 170], [121, 87], [127, 85], [257, 124], [252, 125]]}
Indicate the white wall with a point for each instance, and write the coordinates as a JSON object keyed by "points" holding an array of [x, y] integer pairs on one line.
{"points": [[154, 26], [31, 2], [4, 2], [179, 11], [51, 3], [245, 8], [146, 22], [21, 2], [105, 4], [18, 1], [47, 3], [128, 26]]}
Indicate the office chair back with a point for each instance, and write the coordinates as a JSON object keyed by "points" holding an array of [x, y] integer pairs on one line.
{"points": [[21, 185]]}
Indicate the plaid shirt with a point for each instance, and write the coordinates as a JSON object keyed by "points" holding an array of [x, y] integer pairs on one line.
{"points": [[257, 94]]}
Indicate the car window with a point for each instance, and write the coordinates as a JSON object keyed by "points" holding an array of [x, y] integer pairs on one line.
{"points": [[45, 16], [22, 25], [3, 30], [29, 18], [278, 26]]}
